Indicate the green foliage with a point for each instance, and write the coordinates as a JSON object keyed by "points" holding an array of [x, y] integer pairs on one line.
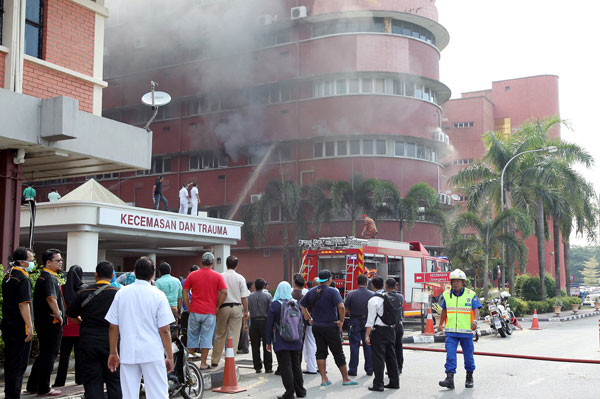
{"points": [[519, 306]]}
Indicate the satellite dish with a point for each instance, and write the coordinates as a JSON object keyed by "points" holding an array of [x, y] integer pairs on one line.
{"points": [[455, 197], [160, 98]]}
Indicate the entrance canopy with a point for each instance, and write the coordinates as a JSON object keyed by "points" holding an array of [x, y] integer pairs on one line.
{"points": [[93, 225]]}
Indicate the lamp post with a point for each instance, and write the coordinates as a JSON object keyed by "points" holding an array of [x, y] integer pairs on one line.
{"points": [[550, 150], [552, 266]]}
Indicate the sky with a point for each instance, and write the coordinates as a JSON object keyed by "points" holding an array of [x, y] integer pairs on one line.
{"points": [[493, 40]]}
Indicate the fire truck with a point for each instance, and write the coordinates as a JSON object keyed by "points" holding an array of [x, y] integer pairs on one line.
{"points": [[409, 263]]}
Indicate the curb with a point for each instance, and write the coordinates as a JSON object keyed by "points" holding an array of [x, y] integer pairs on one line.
{"points": [[430, 339], [564, 318]]}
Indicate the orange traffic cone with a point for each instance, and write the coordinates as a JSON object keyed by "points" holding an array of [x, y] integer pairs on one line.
{"points": [[535, 325], [429, 325], [229, 377]]}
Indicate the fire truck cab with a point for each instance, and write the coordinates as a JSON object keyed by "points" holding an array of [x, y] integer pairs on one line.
{"points": [[348, 257]]}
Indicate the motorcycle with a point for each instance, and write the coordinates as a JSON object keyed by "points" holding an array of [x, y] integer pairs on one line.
{"points": [[510, 315], [498, 318], [186, 378]]}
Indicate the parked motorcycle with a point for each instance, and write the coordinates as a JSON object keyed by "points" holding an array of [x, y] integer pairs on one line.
{"points": [[498, 318]]}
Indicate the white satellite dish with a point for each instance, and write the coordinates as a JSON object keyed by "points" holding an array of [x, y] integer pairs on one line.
{"points": [[455, 197], [160, 98]]}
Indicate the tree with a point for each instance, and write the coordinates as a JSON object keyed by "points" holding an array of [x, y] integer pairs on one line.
{"points": [[591, 272], [284, 195], [488, 236], [352, 197], [319, 202], [420, 195]]}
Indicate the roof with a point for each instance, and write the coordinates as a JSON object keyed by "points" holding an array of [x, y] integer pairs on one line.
{"points": [[92, 191]]}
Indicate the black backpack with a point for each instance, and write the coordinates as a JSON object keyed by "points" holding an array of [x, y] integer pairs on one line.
{"points": [[392, 308]]}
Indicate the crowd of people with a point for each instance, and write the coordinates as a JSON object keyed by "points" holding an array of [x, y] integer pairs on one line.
{"points": [[120, 329]]}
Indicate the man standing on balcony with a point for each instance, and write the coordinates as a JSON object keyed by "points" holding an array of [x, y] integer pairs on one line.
{"points": [[194, 198], [184, 198], [157, 193]]}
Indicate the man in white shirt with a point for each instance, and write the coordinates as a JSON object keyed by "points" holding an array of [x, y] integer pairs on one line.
{"points": [[141, 315], [381, 337], [184, 197], [233, 313], [53, 196], [194, 198]]}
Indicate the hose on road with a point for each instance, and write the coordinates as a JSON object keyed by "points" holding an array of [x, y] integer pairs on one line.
{"points": [[510, 355]]}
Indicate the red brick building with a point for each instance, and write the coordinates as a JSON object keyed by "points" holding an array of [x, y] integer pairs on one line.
{"points": [[503, 108], [51, 62], [341, 87]]}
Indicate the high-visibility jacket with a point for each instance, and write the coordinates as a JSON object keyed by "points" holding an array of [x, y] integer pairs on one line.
{"points": [[459, 311]]}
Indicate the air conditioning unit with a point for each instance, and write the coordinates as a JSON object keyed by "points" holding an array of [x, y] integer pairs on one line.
{"points": [[442, 198], [298, 12], [255, 198], [446, 139], [266, 19]]}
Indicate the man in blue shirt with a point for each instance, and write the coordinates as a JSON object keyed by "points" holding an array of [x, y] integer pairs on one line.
{"points": [[171, 286], [324, 310], [356, 307], [461, 310]]}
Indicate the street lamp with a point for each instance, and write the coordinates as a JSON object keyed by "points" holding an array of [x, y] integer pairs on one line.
{"points": [[551, 266], [550, 150]]}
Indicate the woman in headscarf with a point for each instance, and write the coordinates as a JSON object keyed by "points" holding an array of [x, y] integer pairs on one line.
{"points": [[289, 354], [70, 336]]}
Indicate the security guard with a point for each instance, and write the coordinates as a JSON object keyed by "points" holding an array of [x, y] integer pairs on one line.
{"points": [[461, 311]]}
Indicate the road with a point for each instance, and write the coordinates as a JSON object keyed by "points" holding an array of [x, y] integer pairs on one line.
{"points": [[494, 378]]}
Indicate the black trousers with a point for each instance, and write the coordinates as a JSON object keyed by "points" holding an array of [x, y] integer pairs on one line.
{"points": [[398, 346], [68, 344], [95, 373], [16, 355], [39, 379], [329, 337], [384, 355], [290, 368], [258, 333]]}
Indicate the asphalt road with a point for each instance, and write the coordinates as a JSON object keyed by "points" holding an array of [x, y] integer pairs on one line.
{"points": [[494, 378]]}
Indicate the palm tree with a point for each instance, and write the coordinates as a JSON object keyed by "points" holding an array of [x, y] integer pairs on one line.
{"points": [[488, 236], [284, 195], [420, 195], [351, 197], [319, 202]]}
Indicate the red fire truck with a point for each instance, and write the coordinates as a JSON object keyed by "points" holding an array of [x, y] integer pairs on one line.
{"points": [[347, 257]]}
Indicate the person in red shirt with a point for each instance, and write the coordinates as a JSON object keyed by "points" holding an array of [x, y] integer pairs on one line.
{"points": [[369, 228], [208, 294]]}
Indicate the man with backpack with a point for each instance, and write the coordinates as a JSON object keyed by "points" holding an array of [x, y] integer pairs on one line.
{"points": [[384, 313], [324, 310]]}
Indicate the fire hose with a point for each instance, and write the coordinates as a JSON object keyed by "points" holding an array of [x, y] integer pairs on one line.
{"points": [[511, 355]]}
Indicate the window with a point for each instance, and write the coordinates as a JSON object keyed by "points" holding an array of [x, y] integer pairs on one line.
{"points": [[409, 89], [379, 86], [398, 87], [462, 125], [399, 148], [354, 86], [342, 148], [411, 150], [284, 36], [329, 149], [1, 18], [368, 147], [367, 85], [34, 17], [381, 147], [421, 151], [341, 87], [275, 214], [354, 147], [318, 150]]}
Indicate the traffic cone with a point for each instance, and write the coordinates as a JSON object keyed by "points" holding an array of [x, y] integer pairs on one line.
{"points": [[229, 377], [535, 325], [429, 325]]}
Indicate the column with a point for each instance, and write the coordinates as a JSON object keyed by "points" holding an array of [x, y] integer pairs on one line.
{"points": [[101, 255], [153, 259], [82, 250], [221, 253], [10, 205]]}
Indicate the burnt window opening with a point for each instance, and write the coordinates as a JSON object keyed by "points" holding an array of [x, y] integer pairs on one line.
{"points": [[1, 18]]}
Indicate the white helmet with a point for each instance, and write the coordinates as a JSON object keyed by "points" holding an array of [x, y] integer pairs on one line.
{"points": [[458, 275], [505, 295]]}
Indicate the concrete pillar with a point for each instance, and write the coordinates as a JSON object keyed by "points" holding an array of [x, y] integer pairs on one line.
{"points": [[153, 259], [221, 253], [10, 205], [82, 250], [101, 255]]}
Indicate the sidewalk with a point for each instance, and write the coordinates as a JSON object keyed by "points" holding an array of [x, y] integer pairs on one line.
{"points": [[565, 315]]}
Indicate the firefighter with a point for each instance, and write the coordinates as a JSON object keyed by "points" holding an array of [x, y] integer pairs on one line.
{"points": [[369, 228], [461, 311]]}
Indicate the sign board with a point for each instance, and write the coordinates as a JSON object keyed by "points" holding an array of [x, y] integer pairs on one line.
{"points": [[170, 224], [420, 296], [435, 277], [571, 278]]}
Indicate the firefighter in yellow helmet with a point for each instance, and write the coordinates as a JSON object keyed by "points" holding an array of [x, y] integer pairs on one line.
{"points": [[461, 311]]}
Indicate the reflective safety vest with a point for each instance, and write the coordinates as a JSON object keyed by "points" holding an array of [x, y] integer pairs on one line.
{"points": [[459, 310]]}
